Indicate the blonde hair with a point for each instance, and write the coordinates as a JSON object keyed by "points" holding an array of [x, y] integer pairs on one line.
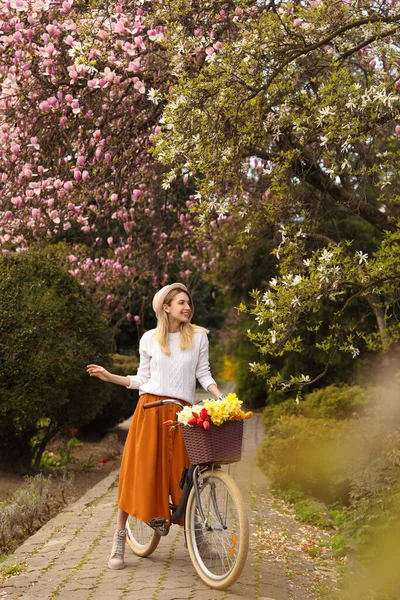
{"points": [[186, 330]]}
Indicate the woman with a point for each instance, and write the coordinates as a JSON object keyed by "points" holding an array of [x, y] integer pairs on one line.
{"points": [[172, 357]]}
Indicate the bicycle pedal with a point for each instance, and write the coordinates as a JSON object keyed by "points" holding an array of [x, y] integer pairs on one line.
{"points": [[157, 522]]}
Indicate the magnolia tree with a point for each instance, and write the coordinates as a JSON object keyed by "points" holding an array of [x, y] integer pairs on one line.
{"points": [[79, 106], [287, 111]]}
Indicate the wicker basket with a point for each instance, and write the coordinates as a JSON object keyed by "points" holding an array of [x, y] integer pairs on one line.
{"points": [[222, 443]]}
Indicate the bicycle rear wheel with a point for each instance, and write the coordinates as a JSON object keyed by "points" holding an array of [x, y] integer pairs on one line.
{"points": [[218, 550], [141, 538]]}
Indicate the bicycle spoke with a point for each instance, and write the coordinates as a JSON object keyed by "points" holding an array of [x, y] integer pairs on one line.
{"points": [[217, 543], [141, 538]]}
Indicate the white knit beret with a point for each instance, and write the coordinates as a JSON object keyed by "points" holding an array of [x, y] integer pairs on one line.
{"points": [[160, 296]]}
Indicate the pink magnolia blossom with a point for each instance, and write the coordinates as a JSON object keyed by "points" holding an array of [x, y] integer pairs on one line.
{"points": [[68, 185], [60, 127], [44, 106]]}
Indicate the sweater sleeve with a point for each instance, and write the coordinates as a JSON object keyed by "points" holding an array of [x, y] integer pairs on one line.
{"points": [[143, 373], [203, 372]]}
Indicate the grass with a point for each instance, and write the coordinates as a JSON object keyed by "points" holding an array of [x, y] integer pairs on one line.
{"points": [[305, 511], [12, 569], [324, 517], [324, 591]]}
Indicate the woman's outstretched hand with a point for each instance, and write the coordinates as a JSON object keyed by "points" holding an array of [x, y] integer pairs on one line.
{"points": [[100, 372]]}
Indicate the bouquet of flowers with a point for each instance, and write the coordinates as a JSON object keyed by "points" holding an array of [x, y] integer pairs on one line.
{"points": [[213, 411]]}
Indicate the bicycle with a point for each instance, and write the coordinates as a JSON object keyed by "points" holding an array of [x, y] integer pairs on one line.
{"points": [[215, 522]]}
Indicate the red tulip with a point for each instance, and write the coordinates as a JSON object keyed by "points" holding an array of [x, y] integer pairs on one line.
{"points": [[192, 421], [104, 460], [204, 413], [206, 425]]}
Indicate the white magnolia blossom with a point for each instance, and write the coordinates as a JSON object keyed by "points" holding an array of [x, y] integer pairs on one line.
{"points": [[326, 256], [354, 351], [324, 112], [154, 96], [351, 104], [297, 279], [295, 301], [304, 377], [324, 140], [361, 257]]}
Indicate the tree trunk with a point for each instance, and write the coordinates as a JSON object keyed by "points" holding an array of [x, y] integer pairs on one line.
{"points": [[380, 319]]}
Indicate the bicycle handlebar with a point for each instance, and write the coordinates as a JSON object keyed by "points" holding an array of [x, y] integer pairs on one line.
{"points": [[162, 402], [153, 404]]}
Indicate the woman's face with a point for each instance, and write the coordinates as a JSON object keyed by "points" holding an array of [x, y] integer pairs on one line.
{"points": [[180, 309]]}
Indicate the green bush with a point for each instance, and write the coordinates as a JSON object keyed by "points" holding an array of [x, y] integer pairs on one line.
{"points": [[331, 402], [353, 462], [308, 455], [121, 403], [272, 413], [335, 402], [50, 329]]}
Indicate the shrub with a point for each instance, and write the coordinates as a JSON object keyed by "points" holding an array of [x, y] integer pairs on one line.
{"points": [[353, 461], [121, 403], [331, 402], [306, 454], [335, 402], [272, 413], [29, 508], [50, 329]]}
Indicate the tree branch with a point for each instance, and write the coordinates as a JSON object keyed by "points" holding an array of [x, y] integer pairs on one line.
{"points": [[366, 42], [344, 29]]}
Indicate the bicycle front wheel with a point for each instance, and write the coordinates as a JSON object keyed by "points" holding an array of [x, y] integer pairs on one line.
{"points": [[141, 538], [218, 548]]}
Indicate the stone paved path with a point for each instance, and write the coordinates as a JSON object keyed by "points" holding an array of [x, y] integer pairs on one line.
{"points": [[67, 558]]}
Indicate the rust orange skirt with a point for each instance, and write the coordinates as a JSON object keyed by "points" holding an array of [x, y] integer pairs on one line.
{"points": [[152, 462]]}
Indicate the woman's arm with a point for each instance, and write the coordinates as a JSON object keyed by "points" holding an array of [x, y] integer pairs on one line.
{"points": [[203, 372], [102, 373], [214, 390]]}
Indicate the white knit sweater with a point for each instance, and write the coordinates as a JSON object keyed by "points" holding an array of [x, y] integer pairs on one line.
{"points": [[173, 375]]}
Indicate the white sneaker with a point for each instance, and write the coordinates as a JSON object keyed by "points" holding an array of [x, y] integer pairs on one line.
{"points": [[116, 560]]}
